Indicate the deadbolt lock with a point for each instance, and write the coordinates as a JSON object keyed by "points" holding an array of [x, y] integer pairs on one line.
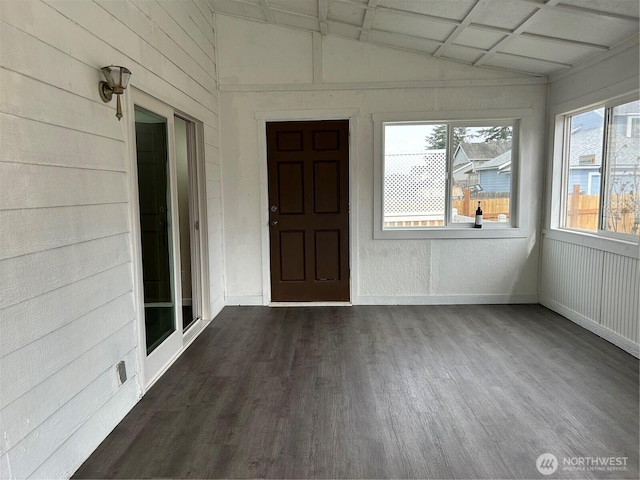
{"points": [[274, 208]]}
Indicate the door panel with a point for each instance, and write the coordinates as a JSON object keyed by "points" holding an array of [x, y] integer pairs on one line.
{"points": [[154, 193], [308, 168], [152, 190], [292, 256]]}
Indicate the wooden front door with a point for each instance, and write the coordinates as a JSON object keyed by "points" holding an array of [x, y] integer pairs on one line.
{"points": [[308, 166]]}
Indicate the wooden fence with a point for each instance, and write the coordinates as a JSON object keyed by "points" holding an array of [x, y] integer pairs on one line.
{"points": [[582, 212], [491, 207]]}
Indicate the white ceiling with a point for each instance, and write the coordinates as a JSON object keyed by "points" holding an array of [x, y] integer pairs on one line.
{"points": [[538, 37]]}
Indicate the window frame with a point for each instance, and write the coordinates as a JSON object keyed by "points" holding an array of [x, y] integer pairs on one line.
{"points": [[517, 225], [562, 156]]}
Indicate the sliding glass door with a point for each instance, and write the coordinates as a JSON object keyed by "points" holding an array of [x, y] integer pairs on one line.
{"points": [[168, 231]]}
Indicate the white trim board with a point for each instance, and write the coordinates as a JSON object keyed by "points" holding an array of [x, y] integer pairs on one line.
{"points": [[300, 87], [588, 324], [244, 300], [445, 299], [310, 304], [350, 114]]}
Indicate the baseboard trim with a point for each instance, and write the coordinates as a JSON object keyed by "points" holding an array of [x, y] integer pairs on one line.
{"points": [[443, 299], [244, 300], [310, 304], [609, 335]]}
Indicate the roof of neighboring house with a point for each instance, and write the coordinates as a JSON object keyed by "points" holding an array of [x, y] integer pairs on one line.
{"points": [[463, 167], [627, 108], [481, 150], [625, 150], [499, 163]]}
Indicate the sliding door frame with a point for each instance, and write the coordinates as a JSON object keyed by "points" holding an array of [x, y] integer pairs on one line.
{"points": [[151, 367]]}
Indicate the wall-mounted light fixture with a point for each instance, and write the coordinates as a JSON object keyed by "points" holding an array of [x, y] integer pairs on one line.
{"points": [[117, 80]]}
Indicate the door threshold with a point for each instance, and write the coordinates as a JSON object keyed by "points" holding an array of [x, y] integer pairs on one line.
{"points": [[310, 304]]}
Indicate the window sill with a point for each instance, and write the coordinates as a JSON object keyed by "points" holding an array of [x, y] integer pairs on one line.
{"points": [[457, 232], [627, 248]]}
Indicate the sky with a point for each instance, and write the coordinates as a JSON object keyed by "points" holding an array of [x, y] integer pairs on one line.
{"points": [[406, 138], [411, 138]]}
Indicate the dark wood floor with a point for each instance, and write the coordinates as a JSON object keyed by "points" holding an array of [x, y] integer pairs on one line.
{"points": [[381, 392]]}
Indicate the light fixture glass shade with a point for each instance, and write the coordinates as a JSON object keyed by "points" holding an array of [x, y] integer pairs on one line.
{"points": [[117, 77]]}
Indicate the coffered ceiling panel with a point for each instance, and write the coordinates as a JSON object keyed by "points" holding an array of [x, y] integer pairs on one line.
{"points": [[621, 7], [455, 9], [391, 21], [249, 9], [534, 37], [593, 29], [297, 21], [523, 64], [344, 30], [509, 14], [460, 53], [479, 38], [546, 50], [306, 7], [403, 41], [347, 13]]}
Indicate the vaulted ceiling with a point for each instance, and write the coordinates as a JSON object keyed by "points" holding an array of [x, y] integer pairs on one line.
{"points": [[538, 37]]}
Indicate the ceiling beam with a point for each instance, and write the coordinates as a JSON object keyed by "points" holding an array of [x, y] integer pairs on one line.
{"points": [[515, 33], [596, 13], [418, 16], [565, 41], [536, 59], [409, 36], [367, 23], [583, 11], [323, 13], [460, 28], [536, 36], [268, 14]]}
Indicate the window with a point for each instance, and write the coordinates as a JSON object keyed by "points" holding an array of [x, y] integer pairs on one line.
{"points": [[601, 170], [434, 174]]}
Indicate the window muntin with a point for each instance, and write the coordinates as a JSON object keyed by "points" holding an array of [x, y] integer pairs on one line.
{"points": [[434, 174], [602, 171]]}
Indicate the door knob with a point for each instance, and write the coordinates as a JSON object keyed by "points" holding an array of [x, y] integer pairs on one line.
{"points": [[274, 222]]}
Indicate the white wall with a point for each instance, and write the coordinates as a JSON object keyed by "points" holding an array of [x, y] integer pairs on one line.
{"points": [[371, 79], [593, 281], [67, 311]]}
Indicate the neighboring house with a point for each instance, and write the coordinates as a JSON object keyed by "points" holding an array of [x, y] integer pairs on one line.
{"points": [[495, 175], [469, 156], [585, 157], [627, 120], [588, 120]]}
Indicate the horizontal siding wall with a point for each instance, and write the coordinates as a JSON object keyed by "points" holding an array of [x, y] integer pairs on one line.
{"points": [[597, 289], [67, 308]]}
